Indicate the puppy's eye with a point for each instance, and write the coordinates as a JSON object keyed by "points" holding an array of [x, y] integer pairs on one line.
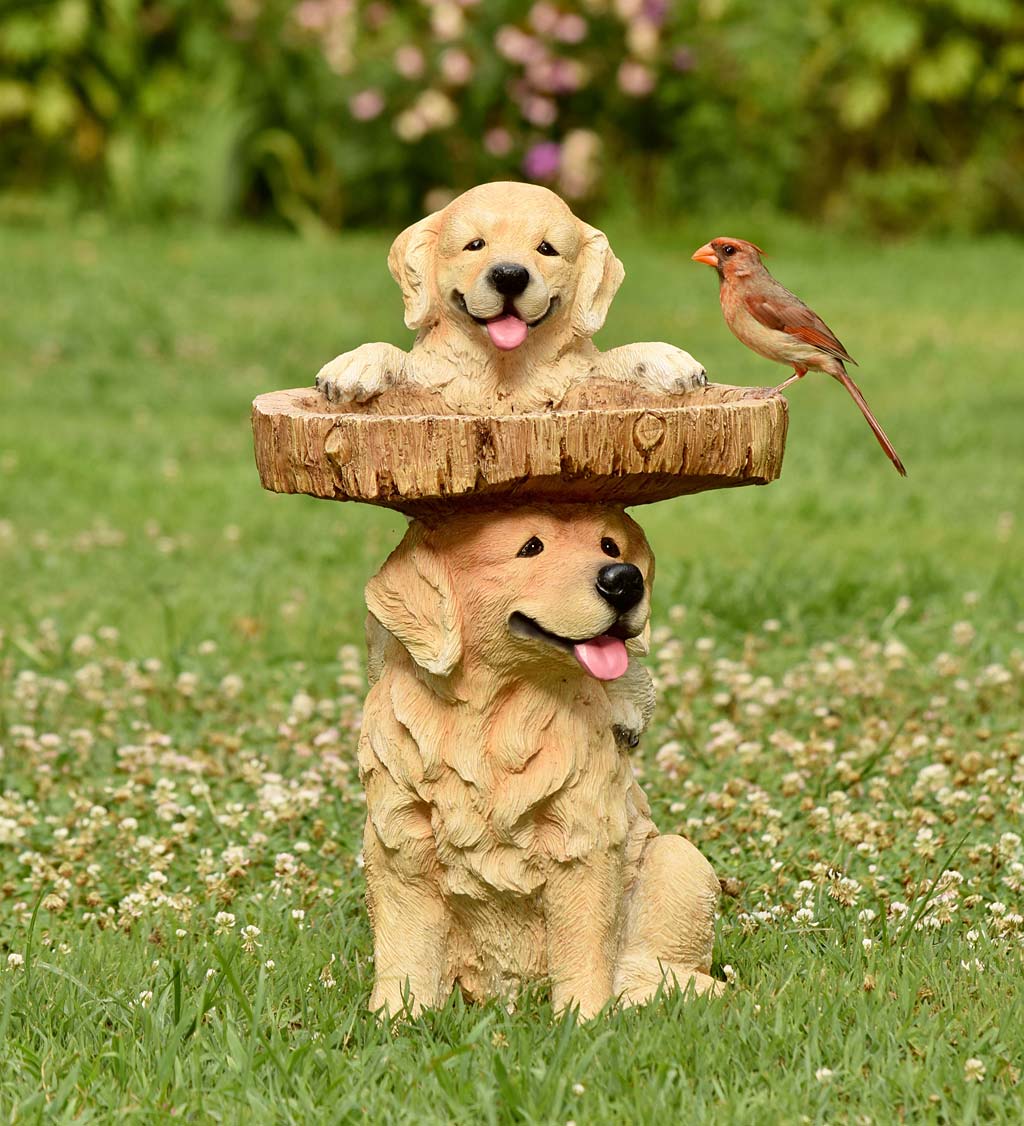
{"points": [[610, 547], [546, 248], [475, 244], [728, 251], [533, 546]]}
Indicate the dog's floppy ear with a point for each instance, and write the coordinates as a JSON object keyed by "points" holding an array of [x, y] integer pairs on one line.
{"points": [[410, 262], [412, 597], [600, 275]]}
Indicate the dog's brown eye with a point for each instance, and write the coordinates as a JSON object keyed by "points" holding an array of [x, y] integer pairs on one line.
{"points": [[533, 546], [610, 547], [546, 248], [475, 244]]}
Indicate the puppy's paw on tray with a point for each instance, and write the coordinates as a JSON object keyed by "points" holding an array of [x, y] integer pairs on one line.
{"points": [[362, 374], [670, 370]]}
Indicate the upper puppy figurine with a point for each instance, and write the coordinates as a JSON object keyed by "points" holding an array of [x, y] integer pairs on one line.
{"points": [[504, 288]]}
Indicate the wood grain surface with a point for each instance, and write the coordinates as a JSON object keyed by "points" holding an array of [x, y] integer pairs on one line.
{"points": [[607, 443]]}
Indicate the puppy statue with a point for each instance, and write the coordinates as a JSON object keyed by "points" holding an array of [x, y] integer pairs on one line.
{"points": [[506, 838], [504, 288]]}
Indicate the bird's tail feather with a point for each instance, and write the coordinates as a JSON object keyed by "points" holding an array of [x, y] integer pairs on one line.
{"points": [[876, 427]]}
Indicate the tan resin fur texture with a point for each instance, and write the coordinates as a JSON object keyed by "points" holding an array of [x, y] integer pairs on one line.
{"points": [[450, 294], [506, 838]]}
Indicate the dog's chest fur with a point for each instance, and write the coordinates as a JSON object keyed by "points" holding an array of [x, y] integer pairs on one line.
{"points": [[483, 796]]}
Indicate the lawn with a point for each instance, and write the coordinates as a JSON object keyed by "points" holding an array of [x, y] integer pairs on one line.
{"points": [[840, 658]]}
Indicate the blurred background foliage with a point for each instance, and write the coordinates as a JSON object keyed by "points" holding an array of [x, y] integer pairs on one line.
{"points": [[890, 114]]}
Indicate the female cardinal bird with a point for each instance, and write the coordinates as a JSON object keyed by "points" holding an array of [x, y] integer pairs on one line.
{"points": [[778, 325]]}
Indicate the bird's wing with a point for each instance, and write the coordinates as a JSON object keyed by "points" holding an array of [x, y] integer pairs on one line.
{"points": [[785, 312]]}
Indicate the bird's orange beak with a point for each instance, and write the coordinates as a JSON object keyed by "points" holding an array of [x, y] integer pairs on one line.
{"points": [[706, 254]]}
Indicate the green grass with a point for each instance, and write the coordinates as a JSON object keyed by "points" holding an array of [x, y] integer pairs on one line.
{"points": [[179, 695]]}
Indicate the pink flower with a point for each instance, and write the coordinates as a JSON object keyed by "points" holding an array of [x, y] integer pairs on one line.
{"points": [[311, 15], [635, 79], [539, 111], [571, 28], [456, 67], [543, 17], [498, 141], [542, 161], [409, 62], [377, 15], [556, 76], [580, 163], [516, 46], [366, 105]]}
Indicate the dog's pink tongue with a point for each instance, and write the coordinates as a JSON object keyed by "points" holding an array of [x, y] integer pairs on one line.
{"points": [[507, 332], [604, 657]]}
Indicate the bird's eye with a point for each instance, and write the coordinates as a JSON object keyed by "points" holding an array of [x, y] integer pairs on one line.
{"points": [[533, 546], [610, 547], [475, 244], [546, 248], [728, 251]]}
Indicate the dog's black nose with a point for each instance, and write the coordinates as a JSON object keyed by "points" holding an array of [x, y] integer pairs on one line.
{"points": [[509, 278], [621, 585]]}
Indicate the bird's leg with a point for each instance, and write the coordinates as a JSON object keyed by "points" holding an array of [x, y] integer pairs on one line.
{"points": [[798, 373]]}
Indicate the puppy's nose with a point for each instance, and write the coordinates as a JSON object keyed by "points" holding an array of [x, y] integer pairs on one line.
{"points": [[509, 278], [621, 585]]}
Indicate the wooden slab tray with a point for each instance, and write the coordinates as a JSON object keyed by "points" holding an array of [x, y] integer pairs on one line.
{"points": [[608, 444]]}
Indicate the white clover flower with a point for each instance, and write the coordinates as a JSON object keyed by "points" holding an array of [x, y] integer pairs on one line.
{"points": [[225, 921], [15, 961], [578, 1088], [231, 686], [824, 1074], [974, 1070], [963, 633], [248, 937]]}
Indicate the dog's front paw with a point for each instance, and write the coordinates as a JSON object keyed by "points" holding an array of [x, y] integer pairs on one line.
{"points": [[362, 374], [669, 370], [632, 701]]}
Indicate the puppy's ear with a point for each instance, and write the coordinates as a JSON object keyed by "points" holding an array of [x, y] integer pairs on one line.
{"points": [[411, 264], [600, 275], [412, 597]]}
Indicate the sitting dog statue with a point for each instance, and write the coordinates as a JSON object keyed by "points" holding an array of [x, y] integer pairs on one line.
{"points": [[504, 288], [506, 838]]}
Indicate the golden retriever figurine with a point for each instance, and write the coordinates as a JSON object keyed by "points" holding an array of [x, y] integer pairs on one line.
{"points": [[506, 838], [504, 288]]}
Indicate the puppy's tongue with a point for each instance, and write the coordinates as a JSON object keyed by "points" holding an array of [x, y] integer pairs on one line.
{"points": [[604, 657], [507, 332]]}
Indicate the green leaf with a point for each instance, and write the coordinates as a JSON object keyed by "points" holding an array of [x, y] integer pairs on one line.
{"points": [[888, 34], [863, 100], [948, 72]]}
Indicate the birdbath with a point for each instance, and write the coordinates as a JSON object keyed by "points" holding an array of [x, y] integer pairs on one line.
{"points": [[507, 840]]}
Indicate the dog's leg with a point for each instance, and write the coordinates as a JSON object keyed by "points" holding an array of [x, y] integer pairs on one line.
{"points": [[669, 929], [410, 927], [661, 368], [362, 374], [581, 915], [632, 700]]}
